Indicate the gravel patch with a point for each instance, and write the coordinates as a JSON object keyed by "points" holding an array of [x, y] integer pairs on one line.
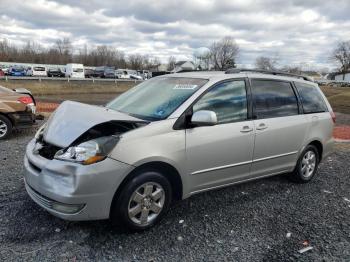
{"points": [[268, 220]]}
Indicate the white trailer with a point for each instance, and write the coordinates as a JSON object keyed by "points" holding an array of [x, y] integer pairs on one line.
{"points": [[75, 71]]}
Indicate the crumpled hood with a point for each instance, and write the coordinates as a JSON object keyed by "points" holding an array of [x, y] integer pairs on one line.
{"points": [[72, 119]]}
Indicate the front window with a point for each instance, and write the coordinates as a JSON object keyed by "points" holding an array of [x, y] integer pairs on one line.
{"points": [[78, 70], [157, 98], [228, 100]]}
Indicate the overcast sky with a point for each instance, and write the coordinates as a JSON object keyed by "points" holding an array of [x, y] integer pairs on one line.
{"points": [[298, 31]]}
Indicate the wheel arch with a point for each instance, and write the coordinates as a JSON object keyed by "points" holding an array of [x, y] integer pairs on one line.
{"points": [[8, 117], [319, 147], [169, 171]]}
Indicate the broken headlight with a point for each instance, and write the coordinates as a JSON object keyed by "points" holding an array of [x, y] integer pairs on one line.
{"points": [[88, 152]]}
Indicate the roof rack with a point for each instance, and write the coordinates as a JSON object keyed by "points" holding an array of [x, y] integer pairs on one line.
{"points": [[280, 73]]}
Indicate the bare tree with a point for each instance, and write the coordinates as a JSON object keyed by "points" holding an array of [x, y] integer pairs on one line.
{"points": [[341, 55], [171, 63], [223, 54], [154, 64], [135, 61], [265, 63], [64, 48]]}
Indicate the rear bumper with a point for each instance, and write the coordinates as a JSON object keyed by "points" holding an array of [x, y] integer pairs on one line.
{"points": [[22, 119]]}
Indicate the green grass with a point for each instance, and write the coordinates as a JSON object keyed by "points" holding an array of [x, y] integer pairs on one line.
{"points": [[338, 97], [73, 87]]}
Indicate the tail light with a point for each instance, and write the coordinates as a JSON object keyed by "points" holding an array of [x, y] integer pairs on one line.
{"points": [[26, 100], [333, 116]]}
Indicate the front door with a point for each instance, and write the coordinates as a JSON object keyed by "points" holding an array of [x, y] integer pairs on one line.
{"points": [[221, 154]]}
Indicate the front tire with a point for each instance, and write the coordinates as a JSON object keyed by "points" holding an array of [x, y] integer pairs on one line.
{"points": [[307, 165], [143, 201], [5, 127]]}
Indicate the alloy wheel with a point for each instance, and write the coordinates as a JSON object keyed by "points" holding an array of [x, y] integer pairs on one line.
{"points": [[3, 128], [308, 164], [146, 203]]}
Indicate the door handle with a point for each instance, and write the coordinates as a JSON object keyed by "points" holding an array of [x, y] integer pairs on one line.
{"points": [[246, 129], [261, 126]]}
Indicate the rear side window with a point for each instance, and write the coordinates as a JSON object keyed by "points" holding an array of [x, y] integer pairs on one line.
{"points": [[273, 99], [311, 98], [228, 100]]}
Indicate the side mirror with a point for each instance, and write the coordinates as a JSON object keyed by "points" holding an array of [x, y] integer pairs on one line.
{"points": [[204, 118]]}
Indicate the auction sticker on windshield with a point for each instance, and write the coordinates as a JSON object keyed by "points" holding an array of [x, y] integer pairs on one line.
{"points": [[185, 86]]}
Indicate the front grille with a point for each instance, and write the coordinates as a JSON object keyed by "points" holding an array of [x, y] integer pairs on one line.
{"points": [[46, 202], [48, 150]]}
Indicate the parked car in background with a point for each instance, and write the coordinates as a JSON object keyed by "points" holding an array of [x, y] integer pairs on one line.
{"points": [[119, 73], [5, 69], [17, 110], [75, 71], [128, 74], [145, 74], [175, 136], [134, 75], [55, 72], [2, 73], [39, 71], [104, 72], [17, 71], [88, 73]]}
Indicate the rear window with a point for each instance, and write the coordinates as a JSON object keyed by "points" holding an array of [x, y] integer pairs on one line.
{"points": [[273, 99], [311, 98], [78, 70], [39, 68]]}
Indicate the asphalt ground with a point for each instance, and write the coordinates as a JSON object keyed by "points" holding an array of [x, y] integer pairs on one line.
{"points": [[267, 220]]}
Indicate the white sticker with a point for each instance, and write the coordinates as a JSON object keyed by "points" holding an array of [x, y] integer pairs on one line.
{"points": [[185, 86]]}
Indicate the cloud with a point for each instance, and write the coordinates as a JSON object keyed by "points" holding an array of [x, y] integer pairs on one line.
{"points": [[297, 31]]}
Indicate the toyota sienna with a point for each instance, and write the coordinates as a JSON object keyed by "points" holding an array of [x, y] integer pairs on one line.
{"points": [[175, 136]]}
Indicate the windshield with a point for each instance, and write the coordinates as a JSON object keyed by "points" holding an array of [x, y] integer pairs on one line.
{"points": [[157, 98], [78, 70]]}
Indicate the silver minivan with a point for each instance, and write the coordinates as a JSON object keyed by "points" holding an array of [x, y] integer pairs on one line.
{"points": [[174, 136]]}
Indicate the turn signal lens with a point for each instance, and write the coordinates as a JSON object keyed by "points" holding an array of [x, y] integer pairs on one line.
{"points": [[93, 159]]}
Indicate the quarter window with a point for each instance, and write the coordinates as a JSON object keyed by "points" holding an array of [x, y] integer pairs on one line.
{"points": [[311, 98], [273, 99], [228, 100]]}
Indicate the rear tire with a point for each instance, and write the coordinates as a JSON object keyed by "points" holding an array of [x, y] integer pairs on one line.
{"points": [[5, 127], [143, 201], [307, 165]]}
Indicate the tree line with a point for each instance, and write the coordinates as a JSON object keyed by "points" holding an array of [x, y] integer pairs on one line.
{"points": [[62, 53], [221, 56]]}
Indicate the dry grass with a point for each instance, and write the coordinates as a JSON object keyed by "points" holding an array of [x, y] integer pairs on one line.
{"points": [[338, 97], [51, 87]]}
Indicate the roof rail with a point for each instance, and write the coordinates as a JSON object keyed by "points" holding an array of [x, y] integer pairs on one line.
{"points": [[280, 73]]}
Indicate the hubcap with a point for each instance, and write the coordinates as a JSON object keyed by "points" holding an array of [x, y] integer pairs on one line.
{"points": [[308, 164], [3, 128], [146, 203]]}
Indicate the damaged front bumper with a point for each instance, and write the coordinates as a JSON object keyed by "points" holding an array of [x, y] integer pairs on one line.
{"points": [[70, 190]]}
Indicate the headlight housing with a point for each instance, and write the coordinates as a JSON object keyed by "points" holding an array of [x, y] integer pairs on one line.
{"points": [[88, 152]]}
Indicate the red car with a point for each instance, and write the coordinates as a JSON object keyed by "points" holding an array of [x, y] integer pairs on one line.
{"points": [[2, 73]]}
